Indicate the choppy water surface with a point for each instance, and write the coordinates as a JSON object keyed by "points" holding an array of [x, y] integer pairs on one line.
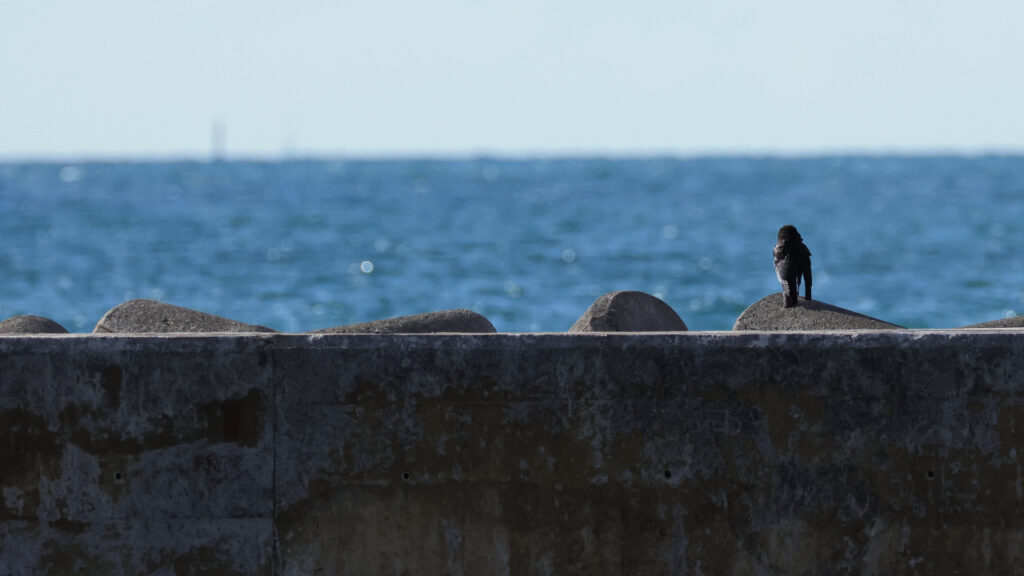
{"points": [[922, 242]]}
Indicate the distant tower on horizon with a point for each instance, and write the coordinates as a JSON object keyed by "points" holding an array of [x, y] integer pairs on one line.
{"points": [[218, 140]]}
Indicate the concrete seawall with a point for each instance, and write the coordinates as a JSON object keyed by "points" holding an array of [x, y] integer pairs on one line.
{"points": [[657, 453]]}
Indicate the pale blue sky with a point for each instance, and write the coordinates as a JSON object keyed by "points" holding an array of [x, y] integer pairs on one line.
{"points": [[145, 78]]}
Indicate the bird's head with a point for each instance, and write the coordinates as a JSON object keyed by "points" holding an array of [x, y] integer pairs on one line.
{"points": [[788, 232]]}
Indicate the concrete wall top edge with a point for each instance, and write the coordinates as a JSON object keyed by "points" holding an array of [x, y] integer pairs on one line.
{"points": [[813, 339], [501, 334], [905, 333]]}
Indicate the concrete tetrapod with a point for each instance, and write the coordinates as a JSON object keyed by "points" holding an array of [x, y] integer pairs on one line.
{"points": [[629, 311], [149, 316], [769, 314], [445, 321], [1015, 322], [29, 324]]}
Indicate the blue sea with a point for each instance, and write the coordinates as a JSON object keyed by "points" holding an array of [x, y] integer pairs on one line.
{"points": [[925, 242]]}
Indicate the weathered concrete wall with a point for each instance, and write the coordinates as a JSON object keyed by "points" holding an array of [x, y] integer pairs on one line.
{"points": [[136, 455], [699, 453]]}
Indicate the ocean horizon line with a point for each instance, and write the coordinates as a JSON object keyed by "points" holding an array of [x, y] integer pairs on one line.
{"points": [[512, 156]]}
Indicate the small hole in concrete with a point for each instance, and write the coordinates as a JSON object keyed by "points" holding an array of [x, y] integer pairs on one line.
{"points": [[668, 473], [931, 474], [405, 476], [118, 476]]}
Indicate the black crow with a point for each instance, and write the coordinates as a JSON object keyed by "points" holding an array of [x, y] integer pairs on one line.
{"points": [[792, 260]]}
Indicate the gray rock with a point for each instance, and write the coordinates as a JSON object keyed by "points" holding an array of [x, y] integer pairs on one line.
{"points": [[768, 314], [457, 321], [149, 316], [29, 324], [629, 311], [1015, 322]]}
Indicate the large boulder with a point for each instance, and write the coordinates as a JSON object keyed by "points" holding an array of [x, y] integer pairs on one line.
{"points": [[629, 311], [29, 324], [149, 316], [1015, 322], [449, 321], [768, 314]]}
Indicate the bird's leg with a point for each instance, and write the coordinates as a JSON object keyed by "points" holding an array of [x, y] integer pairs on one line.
{"points": [[789, 294]]}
